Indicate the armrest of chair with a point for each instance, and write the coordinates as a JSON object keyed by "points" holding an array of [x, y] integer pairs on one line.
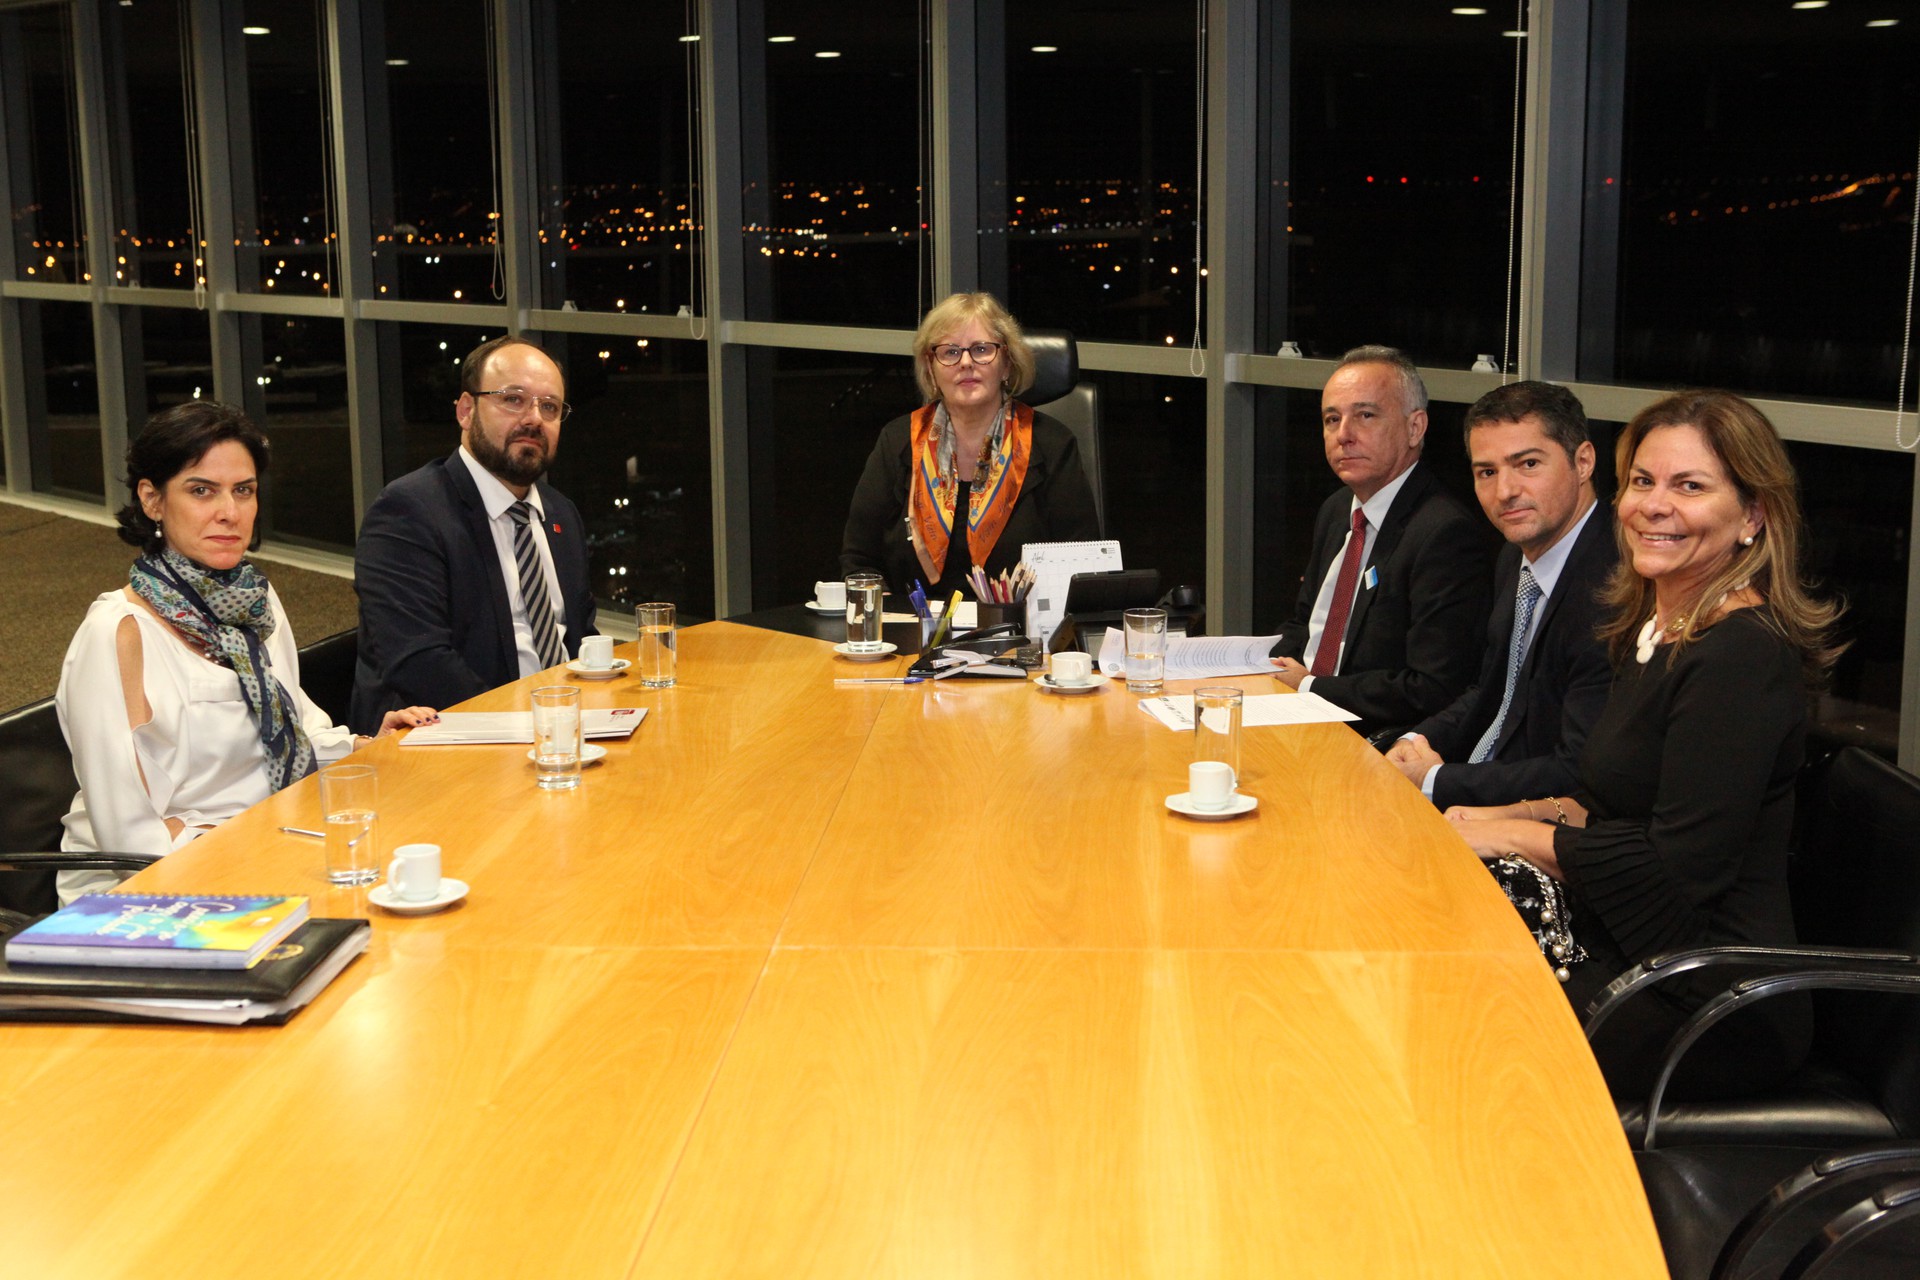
{"points": [[1763, 972], [1668, 965], [1876, 1164], [61, 861], [1889, 1204]]}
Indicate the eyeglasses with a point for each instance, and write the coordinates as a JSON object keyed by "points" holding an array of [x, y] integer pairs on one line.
{"points": [[516, 402], [982, 353]]}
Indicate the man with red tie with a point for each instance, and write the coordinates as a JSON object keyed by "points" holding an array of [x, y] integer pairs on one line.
{"points": [[1390, 622]]}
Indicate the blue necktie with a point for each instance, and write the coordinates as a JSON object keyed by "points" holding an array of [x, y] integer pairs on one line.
{"points": [[1516, 652], [533, 590]]}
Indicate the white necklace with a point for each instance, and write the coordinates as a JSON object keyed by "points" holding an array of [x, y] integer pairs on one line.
{"points": [[1643, 650], [1651, 632]]}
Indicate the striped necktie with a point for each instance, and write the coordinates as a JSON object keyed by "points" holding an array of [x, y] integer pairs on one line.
{"points": [[1516, 653], [533, 590]]}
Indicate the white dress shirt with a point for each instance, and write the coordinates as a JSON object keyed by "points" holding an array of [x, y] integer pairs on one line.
{"points": [[499, 500], [199, 759], [1376, 509]]}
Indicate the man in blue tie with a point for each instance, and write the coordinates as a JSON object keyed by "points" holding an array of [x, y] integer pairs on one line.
{"points": [[472, 570], [1517, 733]]}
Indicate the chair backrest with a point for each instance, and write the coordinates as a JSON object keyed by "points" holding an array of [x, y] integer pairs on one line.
{"points": [[1856, 883], [1058, 392], [36, 790], [326, 672]]}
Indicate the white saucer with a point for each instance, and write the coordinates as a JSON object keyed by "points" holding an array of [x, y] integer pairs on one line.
{"points": [[618, 668], [817, 607], [451, 891], [1051, 685], [886, 650], [1241, 803], [590, 753]]}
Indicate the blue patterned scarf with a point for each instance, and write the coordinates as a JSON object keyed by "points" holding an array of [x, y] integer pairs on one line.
{"points": [[224, 614]]}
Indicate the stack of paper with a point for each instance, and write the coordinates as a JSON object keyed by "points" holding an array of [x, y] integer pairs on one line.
{"points": [[468, 728]]}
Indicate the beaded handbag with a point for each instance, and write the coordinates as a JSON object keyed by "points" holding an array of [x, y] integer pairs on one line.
{"points": [[1542, 904]]}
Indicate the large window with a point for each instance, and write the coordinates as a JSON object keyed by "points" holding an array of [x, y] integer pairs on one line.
{"points": [[36, 75], [284, 226], [155, 229], [1765, 198], [63, 402], [1394, 185], [434, 214], [302, 378], [1100, 200], [834, 206], [618, 208], [634, 458]]}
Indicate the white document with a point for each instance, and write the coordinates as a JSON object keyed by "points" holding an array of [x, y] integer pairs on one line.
{"points": [[1175, 710], [1197, 657], [1053, 565], [470, 728]]}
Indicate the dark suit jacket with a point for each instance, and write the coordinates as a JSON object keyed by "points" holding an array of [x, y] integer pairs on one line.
{"points": [[435, 624], [1414, 638], [1557, 696]]}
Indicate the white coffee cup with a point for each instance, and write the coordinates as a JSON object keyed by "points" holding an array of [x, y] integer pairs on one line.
{"points": [[830, 595], [596, 652], [1071, 667], [1209, 784], [414, 873]]}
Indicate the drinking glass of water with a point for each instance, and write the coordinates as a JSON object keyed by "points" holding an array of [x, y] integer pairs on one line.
{"points": [[556, 737], [654, 623], [863, 612], [348, 808], [1146, 650]]}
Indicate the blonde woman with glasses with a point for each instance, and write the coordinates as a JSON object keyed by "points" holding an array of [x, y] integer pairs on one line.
{"points": [[972, 475]]}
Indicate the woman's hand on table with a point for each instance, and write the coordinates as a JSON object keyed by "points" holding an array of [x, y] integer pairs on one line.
{"points": [[404, 718]]}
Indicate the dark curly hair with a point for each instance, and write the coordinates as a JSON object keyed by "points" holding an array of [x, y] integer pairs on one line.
{"points": [[173, 440]]}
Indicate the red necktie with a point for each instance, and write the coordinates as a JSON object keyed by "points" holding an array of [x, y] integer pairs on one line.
{"points": [[1327, 656]]}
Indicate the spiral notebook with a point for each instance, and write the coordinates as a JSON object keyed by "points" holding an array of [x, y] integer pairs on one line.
{"points": [[1053, 565]]}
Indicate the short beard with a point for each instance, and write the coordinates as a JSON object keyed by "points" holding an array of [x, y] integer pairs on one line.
{"points": [[503, 462]]}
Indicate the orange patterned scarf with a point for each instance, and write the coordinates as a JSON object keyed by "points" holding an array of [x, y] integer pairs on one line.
{"points": [[932, 486]]}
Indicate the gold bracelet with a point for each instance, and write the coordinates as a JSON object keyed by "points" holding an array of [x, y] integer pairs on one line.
{"points": [[1529, 804], [1559, 809]]}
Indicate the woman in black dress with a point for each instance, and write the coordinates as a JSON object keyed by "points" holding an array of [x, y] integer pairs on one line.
{"points": [[974, 474], [1678, 834]]}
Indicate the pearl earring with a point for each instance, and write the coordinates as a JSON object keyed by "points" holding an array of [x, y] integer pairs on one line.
{"points": [[1747, 541]]}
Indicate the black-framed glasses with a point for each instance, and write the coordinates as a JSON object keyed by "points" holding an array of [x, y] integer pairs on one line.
{"points": [[516, 402], [982, 353]]}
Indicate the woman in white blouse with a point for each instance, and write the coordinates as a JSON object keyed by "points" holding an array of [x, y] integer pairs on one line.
{"points": [[180, 695]]}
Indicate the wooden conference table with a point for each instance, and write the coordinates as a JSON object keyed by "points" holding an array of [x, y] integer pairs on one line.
{"points": [[809, 981]]}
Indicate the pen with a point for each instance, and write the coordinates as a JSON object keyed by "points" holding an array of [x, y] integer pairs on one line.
{"points": [[946, 620], [847, 680], [302, 831]]}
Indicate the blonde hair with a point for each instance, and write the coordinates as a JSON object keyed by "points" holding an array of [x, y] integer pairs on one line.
{"points": [[1750, 451], [951, 315]]}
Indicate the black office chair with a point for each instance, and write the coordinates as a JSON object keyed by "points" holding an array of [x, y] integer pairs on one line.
{"points": [[326, 672], [36, 790], [1058, 392], [1856, 895]]}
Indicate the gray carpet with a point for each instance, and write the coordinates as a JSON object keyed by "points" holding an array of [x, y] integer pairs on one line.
{"points": [[52, 567]]}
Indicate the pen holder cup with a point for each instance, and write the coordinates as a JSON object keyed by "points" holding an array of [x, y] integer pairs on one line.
{"points": [[992, 615]]}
